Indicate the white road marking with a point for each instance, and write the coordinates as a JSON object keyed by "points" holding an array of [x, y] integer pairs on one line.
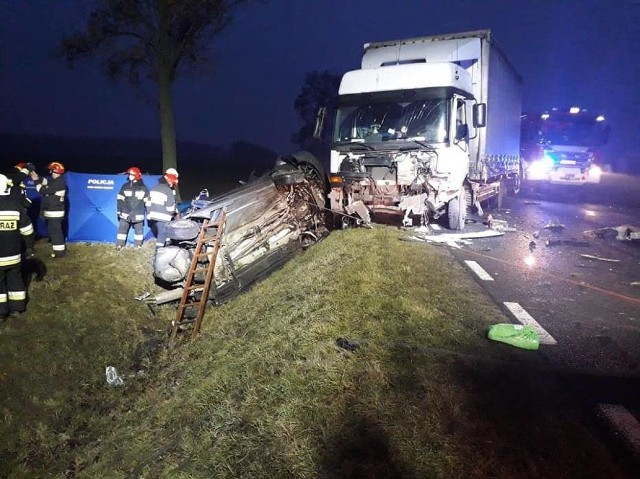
{"points": [[525, 318], [477, 269], [435, 227], [624, 422]]}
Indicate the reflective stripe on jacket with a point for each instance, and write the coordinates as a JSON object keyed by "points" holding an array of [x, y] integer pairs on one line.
{"points": [[161, 205], [54, 193], [14, 226], [131, 201]]}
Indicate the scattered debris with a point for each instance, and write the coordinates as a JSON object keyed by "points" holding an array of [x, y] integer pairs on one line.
{"points": [[143, 296], [609, 260], [536, 234], [531, 202], [518, 335], [498, 225], [622, 233], [346, 344], [554, 225], [112, 377], [635, 283], [566, 242], [532, 246], [452, 237]]}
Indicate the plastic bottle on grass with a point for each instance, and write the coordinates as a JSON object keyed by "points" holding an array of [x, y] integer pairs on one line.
{"points": [[112, 377]]}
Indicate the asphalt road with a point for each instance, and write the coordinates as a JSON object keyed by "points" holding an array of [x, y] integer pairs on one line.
{"points": [[589, 308]]}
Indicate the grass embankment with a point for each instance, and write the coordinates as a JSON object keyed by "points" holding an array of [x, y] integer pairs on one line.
{"points": [[265, 392]]}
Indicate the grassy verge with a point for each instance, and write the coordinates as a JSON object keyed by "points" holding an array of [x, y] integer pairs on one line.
{"points": [[265, 392]]}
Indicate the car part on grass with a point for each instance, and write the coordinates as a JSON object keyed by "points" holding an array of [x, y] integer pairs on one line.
{"points": [[269, 219], [346, 344]]}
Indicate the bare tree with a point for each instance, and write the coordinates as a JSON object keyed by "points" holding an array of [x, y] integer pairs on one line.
{"points": [[152, 40]]}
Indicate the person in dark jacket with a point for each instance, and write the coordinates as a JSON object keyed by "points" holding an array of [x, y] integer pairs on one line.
{"points": [[54, 205], [132, 198], [16, 182], [161, 207], [15, 227]]}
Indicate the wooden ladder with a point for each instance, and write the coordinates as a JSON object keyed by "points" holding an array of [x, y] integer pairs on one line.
{"points": [[196, 293]]}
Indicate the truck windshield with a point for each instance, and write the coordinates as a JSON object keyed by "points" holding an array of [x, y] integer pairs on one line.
{"points": [[568, 130], [387, 116]]}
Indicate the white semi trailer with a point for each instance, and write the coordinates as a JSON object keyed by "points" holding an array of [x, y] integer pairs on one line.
{"points": [[426, 127]]}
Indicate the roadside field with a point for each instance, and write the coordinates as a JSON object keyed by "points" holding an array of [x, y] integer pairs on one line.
{"points": [[365, 356]]}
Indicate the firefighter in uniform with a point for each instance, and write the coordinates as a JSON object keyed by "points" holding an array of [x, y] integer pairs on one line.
{"points": [[131, 205], [18, 189], [161, 206], [54, 194], [15, 226]]}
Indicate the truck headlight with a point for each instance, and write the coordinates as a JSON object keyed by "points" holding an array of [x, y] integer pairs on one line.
{"points": [[541, 167], [595, 172]]}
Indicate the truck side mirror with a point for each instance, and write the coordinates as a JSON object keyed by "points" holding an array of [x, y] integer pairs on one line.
{"points": [[479, 115]]}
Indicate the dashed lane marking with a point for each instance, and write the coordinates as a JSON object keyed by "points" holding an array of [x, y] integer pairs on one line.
{"points": [[624, 422], [478, 270], [525, 318]]}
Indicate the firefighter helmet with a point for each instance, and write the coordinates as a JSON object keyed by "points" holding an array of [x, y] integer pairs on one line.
{"points": [[56, 167], [172, 180], [4, 185], [135, 171], [172, 171], [22, 166]]}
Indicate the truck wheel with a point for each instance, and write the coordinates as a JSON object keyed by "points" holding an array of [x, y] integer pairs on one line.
{"points": [[457, 212]]}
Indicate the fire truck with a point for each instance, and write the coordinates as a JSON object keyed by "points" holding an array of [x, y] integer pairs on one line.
{"points": [[563, 146]]}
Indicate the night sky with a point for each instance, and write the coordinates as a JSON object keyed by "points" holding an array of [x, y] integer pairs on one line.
{"points": [[574, 52]]}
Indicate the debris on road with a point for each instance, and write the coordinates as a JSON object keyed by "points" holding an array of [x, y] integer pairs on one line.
{"points": [[554, 225], [499, 225], [454, 237], [622, 232], [531, 202], [599, 258], [532, 246], [518, 335], [566, 242], [635, 283]]}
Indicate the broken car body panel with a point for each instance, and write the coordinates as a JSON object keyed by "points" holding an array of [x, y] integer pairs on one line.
{"points": [[268, 220]]}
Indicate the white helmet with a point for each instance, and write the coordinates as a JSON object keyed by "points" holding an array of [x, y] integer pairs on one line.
{"points": [[4, 185], [172, 171]]}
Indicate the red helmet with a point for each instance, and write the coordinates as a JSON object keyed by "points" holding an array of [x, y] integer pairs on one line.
{"points": [[135, 171], [172, 180], [56, 167]]}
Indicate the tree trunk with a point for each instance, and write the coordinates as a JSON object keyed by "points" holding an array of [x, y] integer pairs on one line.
{"points": [[165, 82], [167, 126]]}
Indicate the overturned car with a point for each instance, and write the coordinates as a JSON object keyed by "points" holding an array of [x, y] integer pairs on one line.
{"points": [[268, 220]]}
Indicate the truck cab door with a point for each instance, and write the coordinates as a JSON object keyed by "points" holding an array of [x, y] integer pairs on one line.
{"points": [[460, 127]]}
